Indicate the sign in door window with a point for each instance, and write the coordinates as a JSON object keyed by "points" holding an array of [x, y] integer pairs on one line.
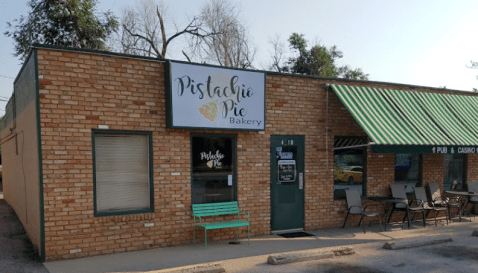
{"points": [[286, 170], [286, 164]]}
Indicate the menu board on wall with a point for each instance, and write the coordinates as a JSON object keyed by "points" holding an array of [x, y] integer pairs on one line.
{"points": [[206, 97]]}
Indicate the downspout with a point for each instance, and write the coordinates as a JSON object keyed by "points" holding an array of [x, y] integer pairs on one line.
{"points": [[326, 86]]}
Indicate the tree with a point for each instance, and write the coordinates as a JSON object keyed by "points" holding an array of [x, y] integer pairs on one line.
{"points": [[231, 46], [348, 73], [318, 61], [144, 30], [67, 23], [474, 65], [277, 53]]}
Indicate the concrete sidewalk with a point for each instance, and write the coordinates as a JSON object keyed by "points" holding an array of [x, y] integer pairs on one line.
{"points": [[260, 247]]}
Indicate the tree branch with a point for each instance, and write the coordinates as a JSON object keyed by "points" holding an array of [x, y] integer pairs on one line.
{"points": [[144, 38]]}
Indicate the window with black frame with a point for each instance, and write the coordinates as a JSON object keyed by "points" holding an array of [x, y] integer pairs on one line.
{"points": [[454, 171], [408, 171], [213, 175], [350, 164]]}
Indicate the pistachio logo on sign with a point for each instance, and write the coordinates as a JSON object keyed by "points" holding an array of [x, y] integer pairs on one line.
{"points": [[209, 110], [213, 160]]}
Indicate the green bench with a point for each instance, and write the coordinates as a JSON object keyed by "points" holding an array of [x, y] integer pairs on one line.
{"points": [[216, 209]]}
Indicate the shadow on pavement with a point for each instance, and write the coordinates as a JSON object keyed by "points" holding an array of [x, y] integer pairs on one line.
{"points": [[341, 268]]}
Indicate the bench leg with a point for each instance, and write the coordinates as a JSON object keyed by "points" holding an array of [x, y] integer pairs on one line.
{"points": [[237, 235], [248, 241], [205, 238]]}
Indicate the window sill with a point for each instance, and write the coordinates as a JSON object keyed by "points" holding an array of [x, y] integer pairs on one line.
{"points": [[124, 218]]}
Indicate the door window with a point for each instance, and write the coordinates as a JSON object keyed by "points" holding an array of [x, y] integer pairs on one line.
{"points": [[213, 168], [454, 171]]}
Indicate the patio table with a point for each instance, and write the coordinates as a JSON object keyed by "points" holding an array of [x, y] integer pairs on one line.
{"points": [[463, 200]]}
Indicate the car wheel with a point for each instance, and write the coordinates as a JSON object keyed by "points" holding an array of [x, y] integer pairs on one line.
{"points": [[351, 180]]}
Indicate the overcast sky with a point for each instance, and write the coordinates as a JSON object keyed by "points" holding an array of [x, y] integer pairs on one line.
{"points": [[425, 43]]}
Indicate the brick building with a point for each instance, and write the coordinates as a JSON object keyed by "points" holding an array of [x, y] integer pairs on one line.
{"points": [[82, 126]]}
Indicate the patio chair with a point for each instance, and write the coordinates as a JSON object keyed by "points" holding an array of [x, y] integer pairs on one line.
{"points": [[354, 206], [429, 205], [473, 187], [415, 206], [435, 196]]}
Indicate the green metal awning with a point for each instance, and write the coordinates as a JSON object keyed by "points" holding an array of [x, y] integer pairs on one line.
{"points": [[413, 122]]}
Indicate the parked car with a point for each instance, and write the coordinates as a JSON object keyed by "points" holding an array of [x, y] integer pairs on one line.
{"points": [[351, 174]]}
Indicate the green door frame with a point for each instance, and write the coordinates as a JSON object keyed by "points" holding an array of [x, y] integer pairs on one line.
{"points": [[287, 183]]}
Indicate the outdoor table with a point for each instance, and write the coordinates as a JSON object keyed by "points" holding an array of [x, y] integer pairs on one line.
{"points": [[463, 200], [384, 200]]}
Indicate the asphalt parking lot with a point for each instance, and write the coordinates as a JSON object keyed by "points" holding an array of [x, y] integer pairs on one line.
{"points": [[460, 255]]}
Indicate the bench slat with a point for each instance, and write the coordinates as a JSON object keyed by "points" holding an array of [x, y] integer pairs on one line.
{"points": [[214, 209], [224, 210], [216, 205], [225, 225]]}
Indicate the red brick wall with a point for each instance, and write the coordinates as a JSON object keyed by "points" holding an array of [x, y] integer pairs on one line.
{"points": [[80, 91], [433, 169], [472, 167]]}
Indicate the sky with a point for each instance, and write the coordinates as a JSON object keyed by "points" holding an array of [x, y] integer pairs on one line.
{"points": [[426, 42]]}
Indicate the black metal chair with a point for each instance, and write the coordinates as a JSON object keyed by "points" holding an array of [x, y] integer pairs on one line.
{"points": [[473, 187], [354, 206], [414, 206], [429, 205], [435, 196]]}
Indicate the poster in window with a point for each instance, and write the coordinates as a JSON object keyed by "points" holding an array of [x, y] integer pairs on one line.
{"points": [[286, 170], [212, 154]]}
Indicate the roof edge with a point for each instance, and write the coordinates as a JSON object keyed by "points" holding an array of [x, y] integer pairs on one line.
{"points": [[329, 80]]}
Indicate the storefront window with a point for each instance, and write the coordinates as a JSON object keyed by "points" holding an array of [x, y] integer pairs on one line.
{"points": [[454, 171], [408, 170], [213, 168], [122, 170], [349, 165]]}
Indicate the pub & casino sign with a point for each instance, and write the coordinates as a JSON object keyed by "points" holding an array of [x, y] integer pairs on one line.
{"points": [[455, 150], [205, 97]]}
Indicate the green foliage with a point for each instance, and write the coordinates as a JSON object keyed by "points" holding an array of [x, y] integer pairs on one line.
{"points": [[67, 23], [356, 74], [318, 61]]}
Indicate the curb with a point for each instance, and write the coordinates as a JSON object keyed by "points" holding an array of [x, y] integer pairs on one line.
{"points": [[307, 256], [202, 268], [417, 242]]}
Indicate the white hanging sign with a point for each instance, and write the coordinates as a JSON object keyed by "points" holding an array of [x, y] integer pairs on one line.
{"points": [[215, 98]]}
